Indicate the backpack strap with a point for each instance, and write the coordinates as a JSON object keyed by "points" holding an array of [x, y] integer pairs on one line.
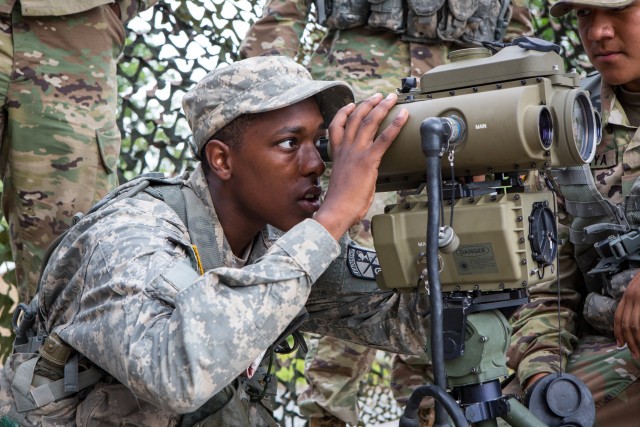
{"points": [[127, 190], [194, 216], [181, 199], [27, 399]]}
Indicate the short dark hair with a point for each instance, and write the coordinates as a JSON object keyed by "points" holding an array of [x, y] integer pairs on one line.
{"points": [[231, 135]]}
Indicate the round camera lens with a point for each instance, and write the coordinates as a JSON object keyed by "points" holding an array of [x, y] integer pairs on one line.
{"points": [[545, 128], [598, 125], [583, 125]]}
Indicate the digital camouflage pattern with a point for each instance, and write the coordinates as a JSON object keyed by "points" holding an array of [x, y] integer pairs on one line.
{"points": [[610, 372], [60, 142], [370, 61], [122, 289], [467, 24], [563, 7], [266, 84]]}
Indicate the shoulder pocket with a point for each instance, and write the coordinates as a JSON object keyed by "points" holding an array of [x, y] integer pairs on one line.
{"points": [[108, 139], [172, 280]]}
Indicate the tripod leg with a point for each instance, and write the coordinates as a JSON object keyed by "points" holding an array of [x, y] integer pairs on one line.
{"points": [[520, 416]]}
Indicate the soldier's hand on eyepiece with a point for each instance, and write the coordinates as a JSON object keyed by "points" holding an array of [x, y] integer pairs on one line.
{"points": [[356, 153]]}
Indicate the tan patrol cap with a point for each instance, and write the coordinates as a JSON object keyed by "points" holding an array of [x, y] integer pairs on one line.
{"points": [[563, 7]]}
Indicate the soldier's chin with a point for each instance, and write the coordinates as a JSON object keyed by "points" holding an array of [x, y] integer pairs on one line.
{"points": [[287, 224]]}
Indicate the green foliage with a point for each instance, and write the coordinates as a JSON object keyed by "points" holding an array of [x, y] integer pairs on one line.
{"points": [[563, 32], [7, 290], [5, 247]]}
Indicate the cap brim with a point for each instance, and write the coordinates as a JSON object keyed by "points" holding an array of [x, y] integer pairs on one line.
{"points": [[331, 96], [563, 7]]}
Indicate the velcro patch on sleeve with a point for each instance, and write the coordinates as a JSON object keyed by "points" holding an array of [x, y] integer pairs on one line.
{"points": [[363, 263]]}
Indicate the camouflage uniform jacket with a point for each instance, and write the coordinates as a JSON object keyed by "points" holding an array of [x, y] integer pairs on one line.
{"points": [[122, 290], [534, 346], [68, 7]]}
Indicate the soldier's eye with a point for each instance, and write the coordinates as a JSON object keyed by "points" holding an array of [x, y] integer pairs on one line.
{"points": [[288, 144], [581, 13]]}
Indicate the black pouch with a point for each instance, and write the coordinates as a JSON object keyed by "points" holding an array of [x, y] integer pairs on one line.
{"points": [[342, 14]]}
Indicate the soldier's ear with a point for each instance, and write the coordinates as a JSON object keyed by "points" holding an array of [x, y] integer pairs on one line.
{"points": [[218, 157]]}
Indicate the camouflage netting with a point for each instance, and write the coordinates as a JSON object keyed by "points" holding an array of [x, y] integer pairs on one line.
{"points": [[171, 47], [562, 32]]}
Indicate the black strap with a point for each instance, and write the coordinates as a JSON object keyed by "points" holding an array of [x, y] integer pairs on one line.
{"points": [[502, 22]]}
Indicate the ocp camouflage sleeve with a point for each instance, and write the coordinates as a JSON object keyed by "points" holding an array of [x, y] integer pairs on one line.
{"points": [[129, 8], [279, 30], [544, 330]]}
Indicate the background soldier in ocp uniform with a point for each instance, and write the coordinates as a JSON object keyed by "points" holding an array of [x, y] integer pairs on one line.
{"points": [[599, 315], [59, 141]]}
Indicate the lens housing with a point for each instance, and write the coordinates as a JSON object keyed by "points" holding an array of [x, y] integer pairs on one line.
{"points": [[579, 132], [545, 128]]}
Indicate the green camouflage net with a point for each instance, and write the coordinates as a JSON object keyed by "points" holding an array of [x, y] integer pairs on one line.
{"points": [[562, 32], [168, 49]]}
